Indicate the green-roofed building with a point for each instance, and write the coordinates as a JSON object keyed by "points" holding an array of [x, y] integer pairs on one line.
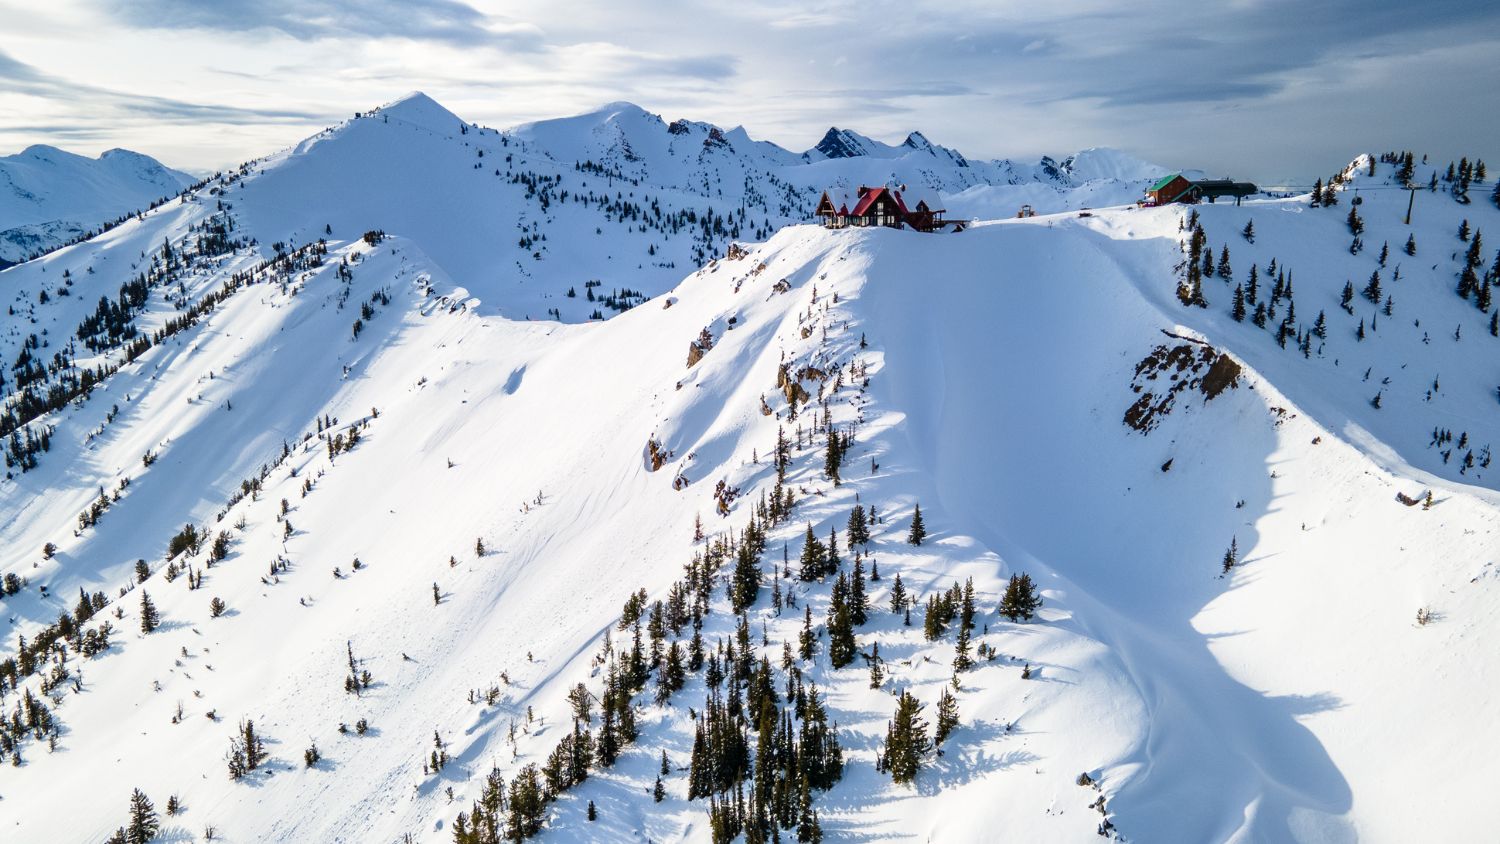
{"points": [[1177, 188], [1168, 189]]}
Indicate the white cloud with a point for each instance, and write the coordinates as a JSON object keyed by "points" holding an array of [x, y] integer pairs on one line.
{"points": [[1275, 86]]}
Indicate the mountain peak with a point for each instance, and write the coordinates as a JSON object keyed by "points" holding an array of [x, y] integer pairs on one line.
{"points": [[1108, 163], [421, 110], [619, 106], [918, 141], [46, 152], [841, 143]]}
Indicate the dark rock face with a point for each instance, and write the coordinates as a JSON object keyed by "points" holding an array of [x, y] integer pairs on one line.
{"points": [[1162, 376]]}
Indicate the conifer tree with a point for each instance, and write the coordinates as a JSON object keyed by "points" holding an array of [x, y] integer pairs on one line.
{"points": [[877, 673], [898, 595], [832, 458], [144, 824], [858, 530], [1237, 308], [527, 805], [150, 619], [746, 579], [906, 740], [961, 660], [783, 455], [947, 716], [1020, 601], [832, 561], [1225, 272], [1232, 554], [808, 640], [1372, 289], [841, 646], [1249, 231], [253, 745], [1411, 244], [814, 556], [672, 676], [859, 606], [1407, 169], [918, 530]]}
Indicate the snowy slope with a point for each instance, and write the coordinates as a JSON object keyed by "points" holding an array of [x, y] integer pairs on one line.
{"points": [[49, 196], [1293, 699], [618, 197]]}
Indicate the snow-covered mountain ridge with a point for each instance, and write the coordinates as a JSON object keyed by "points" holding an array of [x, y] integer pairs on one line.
{"points": [[616, 195], [49, 196], [513, 483]]}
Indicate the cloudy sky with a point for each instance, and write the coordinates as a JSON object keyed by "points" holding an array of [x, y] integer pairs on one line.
{"points": [[1269, 89]]}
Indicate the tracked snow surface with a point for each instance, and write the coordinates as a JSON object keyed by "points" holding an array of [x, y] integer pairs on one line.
{"points": [[390, 469]]}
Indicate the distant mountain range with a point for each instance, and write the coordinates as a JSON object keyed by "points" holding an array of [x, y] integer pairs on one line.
{"points": [[49, 196]]}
